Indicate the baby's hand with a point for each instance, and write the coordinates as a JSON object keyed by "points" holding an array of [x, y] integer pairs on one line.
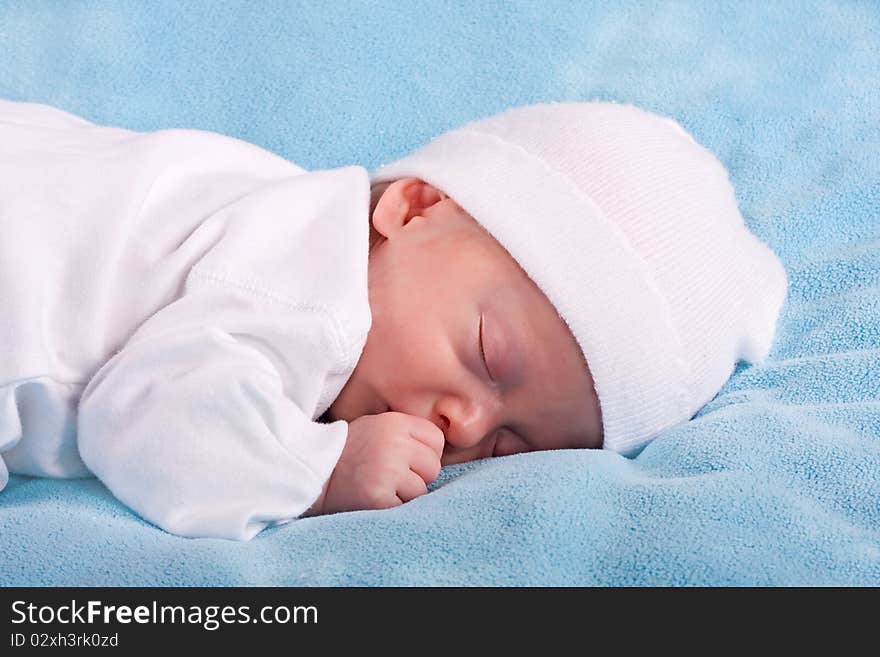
{"points": [[388, 459]]}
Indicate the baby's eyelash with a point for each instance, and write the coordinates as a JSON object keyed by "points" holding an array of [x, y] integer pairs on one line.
{"points": [[483, 351]]}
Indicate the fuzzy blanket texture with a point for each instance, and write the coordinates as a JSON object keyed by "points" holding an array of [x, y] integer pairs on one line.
{"points": [[775, 482]]}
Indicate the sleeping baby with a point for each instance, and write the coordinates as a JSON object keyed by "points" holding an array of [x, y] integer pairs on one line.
{"points": [[229, 342]]}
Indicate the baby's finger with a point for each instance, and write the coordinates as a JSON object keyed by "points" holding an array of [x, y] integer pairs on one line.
{"points": [[387, 502], [424, 462], [428, 433], [411, 486]]}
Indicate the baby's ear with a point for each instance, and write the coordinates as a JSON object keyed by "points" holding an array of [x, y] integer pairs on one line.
{"points": [[402, 200], [420, 195], [377, 190], [432, 194]]}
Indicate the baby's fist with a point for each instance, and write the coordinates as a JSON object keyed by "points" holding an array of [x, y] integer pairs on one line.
{"points": [[388, 459]]}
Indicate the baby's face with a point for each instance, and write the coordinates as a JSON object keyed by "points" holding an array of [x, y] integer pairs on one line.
{"points": [[442, 293]]}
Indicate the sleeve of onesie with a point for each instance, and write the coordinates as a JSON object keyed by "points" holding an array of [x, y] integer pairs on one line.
{"points": [[198, 422]]}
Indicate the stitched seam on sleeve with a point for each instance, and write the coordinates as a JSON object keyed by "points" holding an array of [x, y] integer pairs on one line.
{"points": [[254, 288]]}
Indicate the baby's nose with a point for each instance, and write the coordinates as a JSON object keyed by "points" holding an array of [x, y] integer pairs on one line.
{"points": [[461, 435]]}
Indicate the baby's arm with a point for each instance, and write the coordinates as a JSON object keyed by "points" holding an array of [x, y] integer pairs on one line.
{"points": [[190, 426]]}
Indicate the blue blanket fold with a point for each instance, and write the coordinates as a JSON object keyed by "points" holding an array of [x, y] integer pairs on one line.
{"points": [[776, 481]]}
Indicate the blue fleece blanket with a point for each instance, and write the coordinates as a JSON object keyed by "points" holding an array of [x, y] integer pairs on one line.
{"points": [[775, 481]]}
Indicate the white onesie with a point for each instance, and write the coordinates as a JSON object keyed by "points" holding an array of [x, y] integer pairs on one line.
{"points": [[177, 310]]}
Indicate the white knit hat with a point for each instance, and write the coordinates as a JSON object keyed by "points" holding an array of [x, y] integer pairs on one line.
{"points": [[631, 229]]}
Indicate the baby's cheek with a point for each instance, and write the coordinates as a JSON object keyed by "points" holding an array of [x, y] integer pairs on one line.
{"points": [[508, 444]]}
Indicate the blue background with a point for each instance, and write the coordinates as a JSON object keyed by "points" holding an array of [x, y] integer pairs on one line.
{"points": [[776, 481]]}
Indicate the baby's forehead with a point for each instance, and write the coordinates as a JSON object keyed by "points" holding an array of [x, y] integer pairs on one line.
{"points": [[482, 235], [505, 266]]}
